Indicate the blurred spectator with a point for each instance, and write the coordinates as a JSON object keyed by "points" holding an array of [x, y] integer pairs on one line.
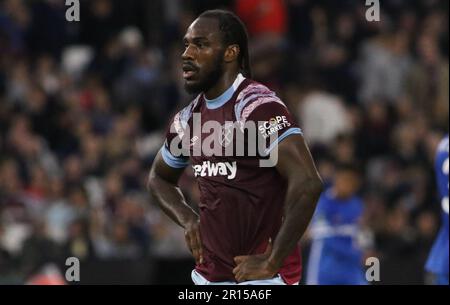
{"points": [[322, 115], [79, 243], [428, 86], [34, 256], [266, 22]]}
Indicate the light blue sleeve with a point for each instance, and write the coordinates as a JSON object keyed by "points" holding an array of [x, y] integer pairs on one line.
{"points": [[290, 131], [171, 160]]}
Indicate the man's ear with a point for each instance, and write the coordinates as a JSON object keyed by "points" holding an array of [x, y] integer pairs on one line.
{"points": [[231, 53]]}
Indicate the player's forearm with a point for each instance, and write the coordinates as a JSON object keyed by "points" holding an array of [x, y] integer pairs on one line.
{"points": [[301, 201], [171, 200]]}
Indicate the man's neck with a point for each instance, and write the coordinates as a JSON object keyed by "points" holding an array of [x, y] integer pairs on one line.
{"points": [[222, 85]]}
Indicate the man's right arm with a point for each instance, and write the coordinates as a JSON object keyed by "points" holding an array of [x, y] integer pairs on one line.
{"points": [[163, 185]]}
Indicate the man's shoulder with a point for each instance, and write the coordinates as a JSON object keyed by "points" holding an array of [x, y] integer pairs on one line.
{"points": [[186, 112], [251, 87], [252, 95]]}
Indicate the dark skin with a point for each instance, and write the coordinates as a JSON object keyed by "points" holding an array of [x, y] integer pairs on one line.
{"points": [[162, 182], [295, 164], [203, 49]]}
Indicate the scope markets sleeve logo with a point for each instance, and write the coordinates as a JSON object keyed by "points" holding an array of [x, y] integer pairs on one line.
{"points": [[273, 125]]}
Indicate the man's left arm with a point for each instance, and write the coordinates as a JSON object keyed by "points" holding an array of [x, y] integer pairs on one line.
{"points": [[296, 165]]}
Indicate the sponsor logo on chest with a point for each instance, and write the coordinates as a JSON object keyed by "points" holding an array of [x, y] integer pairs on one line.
{"points": [[210, 169]]}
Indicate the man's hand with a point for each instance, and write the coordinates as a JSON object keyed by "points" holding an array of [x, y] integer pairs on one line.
{"points": [[193, 239], [254, 267]]}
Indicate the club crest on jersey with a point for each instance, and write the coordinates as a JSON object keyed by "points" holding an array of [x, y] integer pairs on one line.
{"points": [[226, 136], [211, 169], [273, 125]]}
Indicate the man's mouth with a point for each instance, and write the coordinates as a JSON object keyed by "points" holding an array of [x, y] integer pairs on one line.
{"points": [[189, 71]]}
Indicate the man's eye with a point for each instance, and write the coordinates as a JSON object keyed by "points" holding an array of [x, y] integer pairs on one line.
{"points": [[202, 44]]}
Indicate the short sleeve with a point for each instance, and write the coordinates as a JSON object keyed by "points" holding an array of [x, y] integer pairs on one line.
{"points": [[274, 123], [171, 151]]}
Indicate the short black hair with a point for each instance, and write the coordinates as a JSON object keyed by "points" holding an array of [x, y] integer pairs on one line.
{"points": [[234, 32]]}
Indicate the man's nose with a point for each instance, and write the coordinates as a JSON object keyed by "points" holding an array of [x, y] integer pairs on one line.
{"points": [[187, 54]]}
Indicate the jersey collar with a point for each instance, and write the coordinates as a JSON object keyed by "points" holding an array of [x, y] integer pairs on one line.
{"points": [[226, 96]]}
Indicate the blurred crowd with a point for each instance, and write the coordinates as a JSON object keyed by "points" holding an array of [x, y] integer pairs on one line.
{"points": [[84, 106]]}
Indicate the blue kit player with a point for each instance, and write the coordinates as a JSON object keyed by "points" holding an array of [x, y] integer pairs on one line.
{"points": [[336, 255], [437, 263]]}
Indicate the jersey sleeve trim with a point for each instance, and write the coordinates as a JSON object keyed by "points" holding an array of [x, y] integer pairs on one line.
{"points": [[171, 160], [250, 98], [290, 131]]}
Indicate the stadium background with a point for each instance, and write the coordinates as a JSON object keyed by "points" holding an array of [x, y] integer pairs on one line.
{"points": [[84, 105]]}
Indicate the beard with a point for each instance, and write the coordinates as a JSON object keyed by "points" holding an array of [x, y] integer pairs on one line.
{"points": [[209, 80]]}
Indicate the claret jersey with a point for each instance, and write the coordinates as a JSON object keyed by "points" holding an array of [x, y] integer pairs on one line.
{"points": [[241, 202]]}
